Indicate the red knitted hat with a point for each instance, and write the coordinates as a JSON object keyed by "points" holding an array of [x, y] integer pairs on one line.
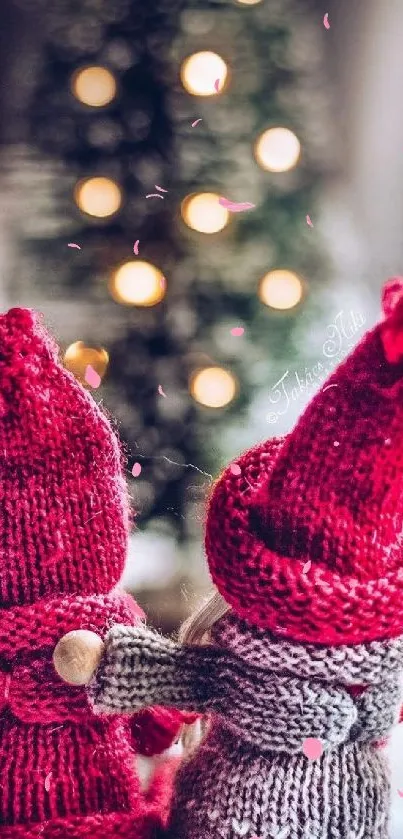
{"points": [[64, 520], [64, 511], [307, 540]]}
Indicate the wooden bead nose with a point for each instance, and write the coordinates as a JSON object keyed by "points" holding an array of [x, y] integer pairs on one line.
{"points": [[77, 656]]}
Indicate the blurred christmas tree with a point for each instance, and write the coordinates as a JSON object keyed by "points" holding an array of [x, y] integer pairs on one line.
{"points": [[186, 101]]}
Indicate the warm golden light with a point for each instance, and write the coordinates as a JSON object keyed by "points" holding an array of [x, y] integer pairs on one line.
{"points": [[204, 74], [280, 289], [203, 213], [138, 284], [99, 197], [277, 150], [78, 356], [94, 86], [213, 387], [249, 2]]}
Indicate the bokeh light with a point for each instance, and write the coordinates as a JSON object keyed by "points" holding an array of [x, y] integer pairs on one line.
{"points": [[200, 71], [99, 197], [203, 213], [280, 289], [138, 284], [248, 2], [277, 150], [78, 356], [213, 387], [94, 86]]}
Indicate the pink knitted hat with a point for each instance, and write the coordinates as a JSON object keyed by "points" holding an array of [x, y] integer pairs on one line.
{"points": [[54, 444], [307, 541]]}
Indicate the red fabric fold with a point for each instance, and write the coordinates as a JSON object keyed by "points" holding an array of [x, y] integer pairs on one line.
{"points": [[29, 685], [155, 729], [34, 626]]}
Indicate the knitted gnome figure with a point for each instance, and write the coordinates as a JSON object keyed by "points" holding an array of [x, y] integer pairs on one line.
{"points": [[305, 545], [64, 520]]}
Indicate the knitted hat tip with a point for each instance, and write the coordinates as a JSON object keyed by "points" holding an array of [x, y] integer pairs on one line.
{"points": [[392, 330], [392, 293], [23, 336]]}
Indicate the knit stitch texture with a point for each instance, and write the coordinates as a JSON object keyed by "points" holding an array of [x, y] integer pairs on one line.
{"points": [[250, 776], [307, 539], [64, 519], [304, 542]]}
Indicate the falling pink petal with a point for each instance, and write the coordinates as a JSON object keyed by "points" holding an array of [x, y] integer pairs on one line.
{"points": [[237, 330], [73, 245], [312, 748], [154, 195], [400, 792], [307, 566], [196, 122], [309, 221], [161, 392], [47, 782], [234, 206], [217, 84], [235, 469], [91, 376], [136, 247], [160, 188], [7, 686], [326, 23], [136, 470]]}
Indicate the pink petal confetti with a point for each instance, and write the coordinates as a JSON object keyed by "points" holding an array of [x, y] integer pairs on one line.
{"points": [[161, 392], [47, 781], [160, 188], [73, 245], [312, 748], [235, 469], [237, 330], [91, 376], [309, 221], [136, 470], [217, 84], [7, 686], [154, 195], [234, 206], [136, 247], [326, 23], [307, 566], [196, 122], [400, 793]]}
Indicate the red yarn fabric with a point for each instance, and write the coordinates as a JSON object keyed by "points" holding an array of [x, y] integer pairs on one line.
{"points": [[331, 493], [166, 724], [64, 520]]}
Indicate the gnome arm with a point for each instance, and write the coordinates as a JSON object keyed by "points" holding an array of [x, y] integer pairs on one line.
{"points": [[139, 668]]}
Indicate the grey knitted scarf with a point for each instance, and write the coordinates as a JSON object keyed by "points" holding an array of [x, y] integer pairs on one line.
{"points": [[250, 777]]}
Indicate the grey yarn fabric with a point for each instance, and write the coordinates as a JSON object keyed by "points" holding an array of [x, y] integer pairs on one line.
{"points": [[250, 777], [350, 665]]}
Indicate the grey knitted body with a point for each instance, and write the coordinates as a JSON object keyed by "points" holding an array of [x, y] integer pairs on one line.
{"points": [[250, 777]]}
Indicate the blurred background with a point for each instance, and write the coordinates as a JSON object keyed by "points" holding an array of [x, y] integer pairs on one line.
{"points": [[201, 330]]}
